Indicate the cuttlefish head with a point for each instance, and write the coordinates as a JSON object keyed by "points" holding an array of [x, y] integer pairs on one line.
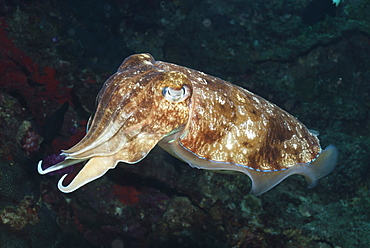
{"points": [[137, 107]]}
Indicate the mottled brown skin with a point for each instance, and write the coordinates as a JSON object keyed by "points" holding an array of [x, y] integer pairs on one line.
{"points": [[132, 103], [203, 120], [280, 140]]}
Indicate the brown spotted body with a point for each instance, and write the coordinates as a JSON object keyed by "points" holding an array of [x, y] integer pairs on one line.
{"points": [[203, 120]]}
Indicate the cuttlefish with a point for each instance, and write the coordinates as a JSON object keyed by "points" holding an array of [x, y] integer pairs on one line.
{"points": [[205, 121]]}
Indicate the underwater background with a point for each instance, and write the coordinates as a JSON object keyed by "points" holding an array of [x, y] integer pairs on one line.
{"points": [[311, 58]]}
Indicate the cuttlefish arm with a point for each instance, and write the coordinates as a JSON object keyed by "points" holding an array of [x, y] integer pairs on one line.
{"points": [[96, 167]]}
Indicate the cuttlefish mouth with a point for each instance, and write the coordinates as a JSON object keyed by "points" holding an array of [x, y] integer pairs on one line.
{"points": [[131, 118]]}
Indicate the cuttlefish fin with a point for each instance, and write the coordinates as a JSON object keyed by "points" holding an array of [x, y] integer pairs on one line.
{"points": [[95, 168], [323, 165], [261, 181]]}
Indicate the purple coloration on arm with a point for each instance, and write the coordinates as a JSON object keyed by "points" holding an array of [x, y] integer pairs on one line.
{"points": [[55, 159]]}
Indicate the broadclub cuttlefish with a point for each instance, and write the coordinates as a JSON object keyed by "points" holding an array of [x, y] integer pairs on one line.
{"points": [[205, 121]]}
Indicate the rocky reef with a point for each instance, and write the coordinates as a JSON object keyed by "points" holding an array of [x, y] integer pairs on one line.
{"points": [[63, 51]]}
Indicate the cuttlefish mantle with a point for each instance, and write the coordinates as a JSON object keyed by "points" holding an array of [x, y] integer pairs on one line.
{"points": [[205, 121]]}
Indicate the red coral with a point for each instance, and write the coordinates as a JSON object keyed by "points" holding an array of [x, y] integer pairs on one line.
{"points": [[127, 195], [20, 75]]}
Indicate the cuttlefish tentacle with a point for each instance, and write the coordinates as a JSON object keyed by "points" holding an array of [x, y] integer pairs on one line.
{"points": [[203, 120]]}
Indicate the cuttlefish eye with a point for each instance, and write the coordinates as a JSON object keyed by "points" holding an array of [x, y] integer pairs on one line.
{"points": [[176, 95]]}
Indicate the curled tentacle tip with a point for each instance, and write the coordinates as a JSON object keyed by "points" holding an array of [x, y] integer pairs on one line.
{"points": [[64, 189], [39, 168]]}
